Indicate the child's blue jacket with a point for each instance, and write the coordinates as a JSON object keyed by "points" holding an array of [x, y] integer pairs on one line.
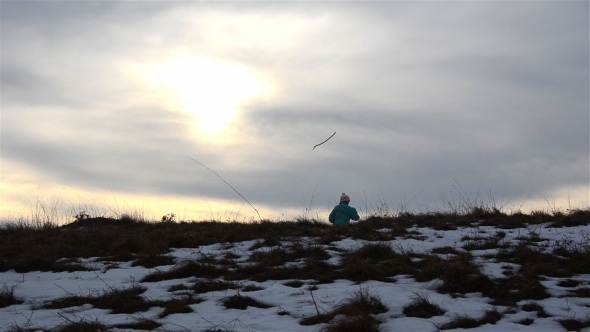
{"points": [[342, 213]]}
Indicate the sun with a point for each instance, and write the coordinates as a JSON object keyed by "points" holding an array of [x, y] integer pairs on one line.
{"points": [[210, 90]]}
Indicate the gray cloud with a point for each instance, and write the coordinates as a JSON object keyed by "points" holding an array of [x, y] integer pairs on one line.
{"points": [[424, 98]]}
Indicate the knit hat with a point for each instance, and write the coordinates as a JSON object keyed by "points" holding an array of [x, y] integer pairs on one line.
{"points": [[344, 198]]}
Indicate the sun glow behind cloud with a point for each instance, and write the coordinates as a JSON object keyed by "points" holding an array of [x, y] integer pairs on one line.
{"points": [[248, 89], [210, 90]]}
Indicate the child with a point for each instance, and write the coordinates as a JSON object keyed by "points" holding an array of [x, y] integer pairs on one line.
{"points": [[342, 213]]}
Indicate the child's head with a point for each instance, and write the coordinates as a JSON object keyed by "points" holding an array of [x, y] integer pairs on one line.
{"points": [[344, 198]]}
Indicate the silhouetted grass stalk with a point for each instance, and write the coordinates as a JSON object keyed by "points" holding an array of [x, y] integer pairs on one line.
{"points": [[229, 185]]}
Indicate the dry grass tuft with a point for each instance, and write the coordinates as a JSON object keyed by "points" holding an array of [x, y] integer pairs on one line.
{"points": [[117, 300], [352, 314], [534, 306], [421, 307], [186, 269], [375, 261], [140, 324], [575, 324], [365, 323], [177, 306], [243, 302], [465, 322], [297, 252], [84, 325], [458, 274], [206, 286], [7, 297]]}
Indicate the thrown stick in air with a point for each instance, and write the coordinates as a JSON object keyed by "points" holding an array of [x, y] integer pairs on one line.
{"points": [[324, 141]]}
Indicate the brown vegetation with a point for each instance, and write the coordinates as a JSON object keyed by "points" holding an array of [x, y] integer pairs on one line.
{"points": [[283, 251]]}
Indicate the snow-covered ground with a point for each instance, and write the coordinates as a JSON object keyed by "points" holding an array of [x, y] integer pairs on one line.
{"points": [[289, 305]]}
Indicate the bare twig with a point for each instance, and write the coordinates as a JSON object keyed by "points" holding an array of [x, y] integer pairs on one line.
{"points": [[314, 302], [308, 210], [112, 288], [324, 141], [229, 185], [63, 289]]}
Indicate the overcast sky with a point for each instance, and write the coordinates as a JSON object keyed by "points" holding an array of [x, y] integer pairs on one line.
{"points": [[435, 105]]}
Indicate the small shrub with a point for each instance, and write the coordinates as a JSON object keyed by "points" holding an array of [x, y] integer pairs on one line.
{"points": [[81, 216], [170, 217]]}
